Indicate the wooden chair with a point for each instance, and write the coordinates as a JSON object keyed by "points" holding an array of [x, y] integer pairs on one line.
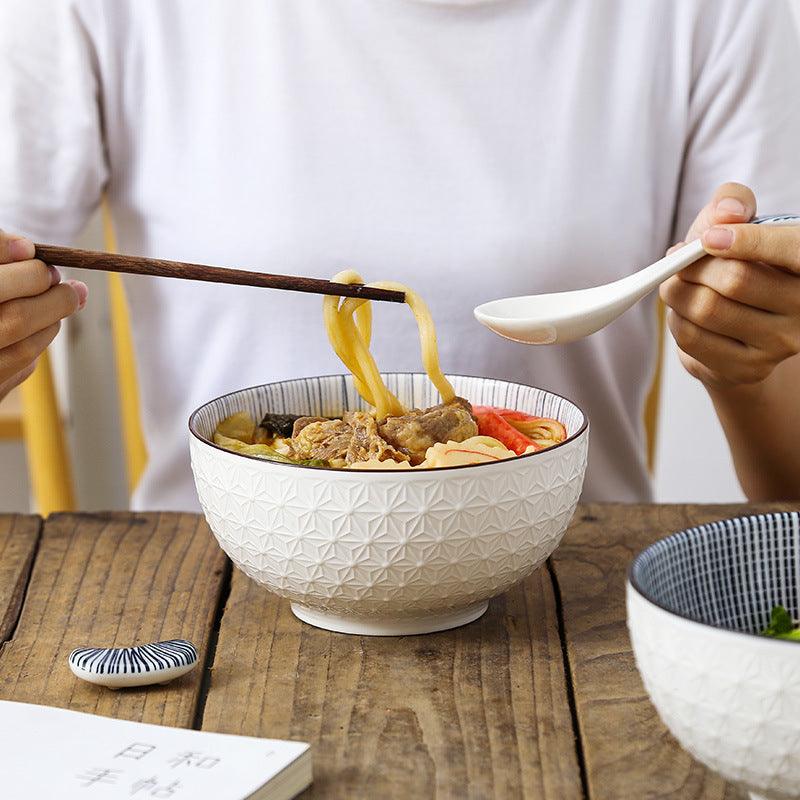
{"points": [[654, 395], [11, 417]]}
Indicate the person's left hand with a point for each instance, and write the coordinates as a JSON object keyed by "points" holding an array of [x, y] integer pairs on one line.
{"points": [[736, 315]]}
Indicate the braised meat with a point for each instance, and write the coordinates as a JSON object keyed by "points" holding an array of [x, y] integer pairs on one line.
{"points": [[342, 442], [366, 444], [302, 422], [415, 432], [358, 437], [328, 440]]}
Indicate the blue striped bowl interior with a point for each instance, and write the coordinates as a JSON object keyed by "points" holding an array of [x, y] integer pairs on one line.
{"points": [[155, 658], [728, 574], [331, 395]]}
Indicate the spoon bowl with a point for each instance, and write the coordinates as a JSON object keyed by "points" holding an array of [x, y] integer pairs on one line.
{"points": [[562, 317]]}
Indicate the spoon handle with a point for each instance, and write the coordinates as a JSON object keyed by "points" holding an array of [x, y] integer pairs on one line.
{"points": [[634, 287], [777, 219], [643, 282]]}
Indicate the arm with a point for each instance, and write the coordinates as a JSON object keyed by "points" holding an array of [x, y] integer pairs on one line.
{"points": [[736, 320], [762, 425], [762, 419]]}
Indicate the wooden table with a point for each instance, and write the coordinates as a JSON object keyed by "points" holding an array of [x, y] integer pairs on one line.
{"points": [[538, 699]]}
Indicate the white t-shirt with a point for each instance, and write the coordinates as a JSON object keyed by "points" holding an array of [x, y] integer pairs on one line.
{"points": [[470, 150]]}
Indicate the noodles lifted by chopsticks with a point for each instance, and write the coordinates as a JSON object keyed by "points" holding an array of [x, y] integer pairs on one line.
{"points": [[348, 322]]}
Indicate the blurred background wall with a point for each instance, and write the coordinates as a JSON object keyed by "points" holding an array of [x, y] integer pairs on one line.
{"points": [[692, 460]]}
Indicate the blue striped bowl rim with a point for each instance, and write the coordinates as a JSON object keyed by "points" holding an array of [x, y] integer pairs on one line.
{"points": [[780, 529]]}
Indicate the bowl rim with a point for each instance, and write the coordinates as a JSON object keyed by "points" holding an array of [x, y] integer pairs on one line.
{"points": [[425, 471], [635, 586]]}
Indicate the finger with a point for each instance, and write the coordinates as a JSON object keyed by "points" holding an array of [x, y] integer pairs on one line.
{"points": [[777, 245], [20, 356], [731, 203], [26, 279], [24, 316], [720, 354], [712, 312], [15, 248], [752, 283]]}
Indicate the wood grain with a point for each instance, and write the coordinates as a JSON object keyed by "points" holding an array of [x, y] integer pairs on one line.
{"points": [[628, 752], [18, 538], [158, 267], [479, 712], [114, 580]]}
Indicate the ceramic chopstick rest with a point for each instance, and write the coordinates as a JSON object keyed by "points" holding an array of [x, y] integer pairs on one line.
{"points": [[118, 667]]}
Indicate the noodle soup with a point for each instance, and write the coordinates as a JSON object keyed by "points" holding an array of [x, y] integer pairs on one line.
{"points": [[387, 435], [388, 504], [387, 552]]}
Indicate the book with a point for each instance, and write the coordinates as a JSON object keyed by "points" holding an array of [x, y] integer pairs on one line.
{"points": [[50, 752]]}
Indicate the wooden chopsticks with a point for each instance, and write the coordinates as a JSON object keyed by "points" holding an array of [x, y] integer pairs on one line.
{"points": [[136, 265]]}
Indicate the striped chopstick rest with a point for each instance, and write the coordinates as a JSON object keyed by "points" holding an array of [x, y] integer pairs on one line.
{"points": [[117, 667]]}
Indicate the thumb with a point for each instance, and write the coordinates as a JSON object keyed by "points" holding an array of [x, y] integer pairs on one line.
{"points": [[15, 248], [731, 203]]}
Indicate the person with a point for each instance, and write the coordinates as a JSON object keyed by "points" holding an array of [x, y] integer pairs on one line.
{"points": [[469, 148]]}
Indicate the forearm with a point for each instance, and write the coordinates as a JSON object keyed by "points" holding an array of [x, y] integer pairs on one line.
{"points": [[762, 425]]}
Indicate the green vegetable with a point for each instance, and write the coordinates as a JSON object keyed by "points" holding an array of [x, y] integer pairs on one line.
{"points": [[274, 455], [781, 625], [263, 451]]}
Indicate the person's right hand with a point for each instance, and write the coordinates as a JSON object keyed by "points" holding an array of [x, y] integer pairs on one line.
{"points": [[33, 301]]}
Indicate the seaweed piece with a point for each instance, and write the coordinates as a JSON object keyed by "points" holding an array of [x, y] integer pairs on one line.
{"points": [[278, 424]]}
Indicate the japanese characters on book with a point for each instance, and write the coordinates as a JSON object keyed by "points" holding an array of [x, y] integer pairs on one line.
{"points": [[52, 752]]}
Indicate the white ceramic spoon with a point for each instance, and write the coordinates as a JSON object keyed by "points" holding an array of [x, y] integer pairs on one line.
{"points": [[566, 316]]}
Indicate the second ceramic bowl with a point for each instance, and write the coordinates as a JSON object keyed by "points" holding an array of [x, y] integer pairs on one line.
{"points": [[696, 602]]}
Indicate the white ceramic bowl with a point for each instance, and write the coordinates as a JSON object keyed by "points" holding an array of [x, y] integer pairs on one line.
{"points": [[388, 553], [696, 601]]}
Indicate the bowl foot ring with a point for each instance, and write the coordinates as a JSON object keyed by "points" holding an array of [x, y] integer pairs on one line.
{"points": [[365, 626]]}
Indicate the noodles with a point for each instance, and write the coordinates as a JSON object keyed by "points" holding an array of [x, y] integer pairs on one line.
{"points": [[349, 329], [341, 343], [427, 338], [453, 433]]}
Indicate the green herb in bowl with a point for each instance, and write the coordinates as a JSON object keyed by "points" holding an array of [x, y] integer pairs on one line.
{"points": [[781, 625]]}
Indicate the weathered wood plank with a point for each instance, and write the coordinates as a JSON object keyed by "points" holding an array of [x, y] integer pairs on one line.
{"points": [[479, 712], [114, 580], [18, 537], [628, 752]]}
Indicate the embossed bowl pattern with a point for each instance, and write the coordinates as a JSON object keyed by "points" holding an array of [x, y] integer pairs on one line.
{"points": [[696, 602], [380, 552]]}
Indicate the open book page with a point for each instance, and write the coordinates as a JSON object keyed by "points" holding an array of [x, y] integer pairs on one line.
{"points": [[51, 752]]}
